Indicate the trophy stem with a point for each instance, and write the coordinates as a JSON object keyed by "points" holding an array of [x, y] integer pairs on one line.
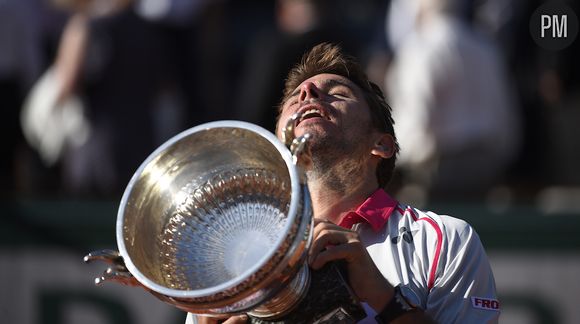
{"points": [[328, 300], [287, 299]]}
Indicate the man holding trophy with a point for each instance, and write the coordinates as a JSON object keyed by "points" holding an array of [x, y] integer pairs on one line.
{"points": [[403, 264], [233, 225]]}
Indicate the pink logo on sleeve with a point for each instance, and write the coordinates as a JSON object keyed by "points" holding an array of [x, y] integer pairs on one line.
{"points": [[485, 303]]}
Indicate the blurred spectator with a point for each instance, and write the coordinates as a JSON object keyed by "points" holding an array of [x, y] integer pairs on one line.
{"points": [[559, 90], [135, 73], [508, 23], [111, 62], [548, 89], [402, 16], [194, 46], [20, 65], [52, 116], [455, 113]]}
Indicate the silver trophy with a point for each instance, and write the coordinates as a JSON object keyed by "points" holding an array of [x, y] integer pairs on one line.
{"points": [[217, 221]]}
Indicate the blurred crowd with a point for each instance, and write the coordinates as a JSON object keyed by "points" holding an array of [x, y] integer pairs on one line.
{"points": [[89, 88]]}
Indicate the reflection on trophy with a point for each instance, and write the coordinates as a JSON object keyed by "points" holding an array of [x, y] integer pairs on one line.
{"points": [[217, 221]]}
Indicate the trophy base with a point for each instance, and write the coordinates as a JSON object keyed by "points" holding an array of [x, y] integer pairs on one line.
{"points": [[328, 300]]}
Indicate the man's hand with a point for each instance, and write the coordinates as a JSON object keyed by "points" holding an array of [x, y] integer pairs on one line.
{"points": [[332, 242], [239, 319]]}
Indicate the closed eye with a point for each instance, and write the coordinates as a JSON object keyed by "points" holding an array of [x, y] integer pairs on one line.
{"points": [[339, 90], [339, 94], [292, 100]]}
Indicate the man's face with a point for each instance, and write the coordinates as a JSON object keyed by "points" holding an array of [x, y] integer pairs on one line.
{"points": [[336, 115], [333, 109]]}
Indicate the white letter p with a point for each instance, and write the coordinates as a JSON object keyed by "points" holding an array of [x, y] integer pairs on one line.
{"points": [[546, 23]]}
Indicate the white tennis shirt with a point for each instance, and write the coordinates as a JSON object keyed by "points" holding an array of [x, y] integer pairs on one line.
{"points": [[438, 260]]}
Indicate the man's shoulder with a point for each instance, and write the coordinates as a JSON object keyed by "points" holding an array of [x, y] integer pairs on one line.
{"points": [[409, 213], [444, 227]]}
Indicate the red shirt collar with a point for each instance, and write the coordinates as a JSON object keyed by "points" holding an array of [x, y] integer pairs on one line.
{"points": [[375, 210]]}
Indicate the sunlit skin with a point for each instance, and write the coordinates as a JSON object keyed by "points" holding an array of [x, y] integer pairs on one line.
{"points": [[339, 100], [345, 117]]}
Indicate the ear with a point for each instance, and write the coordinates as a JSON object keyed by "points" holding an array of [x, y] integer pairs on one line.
{"points": [[384, 146]]}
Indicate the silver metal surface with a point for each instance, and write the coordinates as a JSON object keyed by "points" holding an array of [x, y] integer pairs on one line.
{"points": [[216, 221], [287, 299]]}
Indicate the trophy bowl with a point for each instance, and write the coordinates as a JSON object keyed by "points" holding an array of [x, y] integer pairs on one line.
{"points": [[217, 221]]}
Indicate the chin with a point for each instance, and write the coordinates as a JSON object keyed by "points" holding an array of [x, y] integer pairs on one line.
{"points": [[315, 129], [316, 134]]}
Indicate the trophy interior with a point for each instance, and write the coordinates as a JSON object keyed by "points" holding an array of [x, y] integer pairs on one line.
{"points": [[206, 211]]}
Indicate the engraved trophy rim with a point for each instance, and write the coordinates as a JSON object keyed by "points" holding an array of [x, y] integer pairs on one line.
{"points": [[293, 210]]}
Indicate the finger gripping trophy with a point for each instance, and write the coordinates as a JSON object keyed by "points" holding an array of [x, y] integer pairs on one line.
{"points": [[217, 221]]}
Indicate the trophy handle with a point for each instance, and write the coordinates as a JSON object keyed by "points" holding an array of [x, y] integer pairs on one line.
{"points": [[298, 146], [117, 271], [288, 131]]}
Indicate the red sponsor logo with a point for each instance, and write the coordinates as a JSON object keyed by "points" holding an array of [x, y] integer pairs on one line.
{"points": [[485, 303]]}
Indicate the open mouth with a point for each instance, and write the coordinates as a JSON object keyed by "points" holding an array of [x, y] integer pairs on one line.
{"points": [[312, 113]]}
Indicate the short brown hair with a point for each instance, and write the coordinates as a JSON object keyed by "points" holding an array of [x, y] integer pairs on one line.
{"points": [[329, 58]]}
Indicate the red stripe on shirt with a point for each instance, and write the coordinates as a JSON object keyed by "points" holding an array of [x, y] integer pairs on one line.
{"points": [[433, 271]]}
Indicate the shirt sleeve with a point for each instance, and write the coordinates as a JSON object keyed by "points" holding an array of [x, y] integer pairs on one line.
{"points": [[464, 289]]}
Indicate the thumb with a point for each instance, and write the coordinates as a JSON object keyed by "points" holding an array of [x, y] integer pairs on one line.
{"points": [[239, 319]]}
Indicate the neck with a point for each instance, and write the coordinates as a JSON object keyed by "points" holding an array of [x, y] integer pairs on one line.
{"points": [[333, 205]]}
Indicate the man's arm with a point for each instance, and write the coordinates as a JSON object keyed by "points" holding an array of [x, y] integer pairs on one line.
{"points": [[465, 290]]}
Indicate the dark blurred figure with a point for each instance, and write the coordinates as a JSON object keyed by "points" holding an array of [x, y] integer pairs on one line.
{"points": [[299, 25], [140, 72], [20, 65], [194, 42], [547, 84], [559, 87], [121, 69]]}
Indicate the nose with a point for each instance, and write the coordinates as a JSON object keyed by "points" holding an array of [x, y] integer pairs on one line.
{"points": [[309, 91]]}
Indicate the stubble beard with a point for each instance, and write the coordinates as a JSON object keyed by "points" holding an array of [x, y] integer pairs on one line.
{"points": [[336, 163]]}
